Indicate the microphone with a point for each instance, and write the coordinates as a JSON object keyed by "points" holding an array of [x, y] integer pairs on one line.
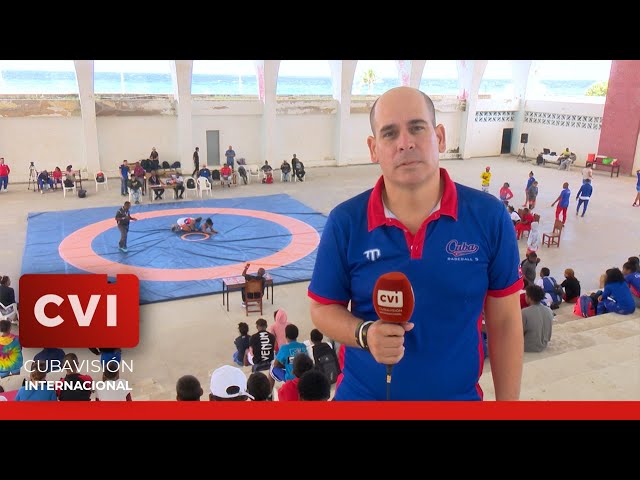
{"points": [[393, 301]]}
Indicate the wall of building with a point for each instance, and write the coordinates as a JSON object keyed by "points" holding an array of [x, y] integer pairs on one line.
{"points": [[51, 131], [622, 115], [557, 125], [309, 136], [242, 132], [48, 142], [131, 138]]}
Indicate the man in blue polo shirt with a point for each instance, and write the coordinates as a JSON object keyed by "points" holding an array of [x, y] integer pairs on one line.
{"points": [[456, 246], [563, 202]]}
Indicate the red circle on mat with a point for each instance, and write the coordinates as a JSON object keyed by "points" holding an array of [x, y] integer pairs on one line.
{"points": [[76, 249], [205, 236]]}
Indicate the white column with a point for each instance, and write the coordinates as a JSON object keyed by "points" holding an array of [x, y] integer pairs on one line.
{"points": [[417, 68], [90, 155], [181, 71], [267, 71], [469, 77], [404, 72], [342, 72], [521, 69]]}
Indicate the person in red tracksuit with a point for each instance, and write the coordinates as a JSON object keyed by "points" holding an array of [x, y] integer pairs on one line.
{"points": [[4, 174]]}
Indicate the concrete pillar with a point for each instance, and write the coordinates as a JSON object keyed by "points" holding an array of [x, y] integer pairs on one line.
{"points": [[417, 68], [267, 72], [404, 72], [90, 155], [469, 78], [621, 117], [342, 72], [181, 71], [521, 69]]}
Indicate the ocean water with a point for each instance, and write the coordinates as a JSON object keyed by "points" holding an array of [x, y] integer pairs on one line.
{"points": [[30, 82]]}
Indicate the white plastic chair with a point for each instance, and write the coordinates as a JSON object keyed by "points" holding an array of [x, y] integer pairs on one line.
{"points": [[253, 171], [9, 312], [294, 177], [70, 189], [104, 184], [204, 185], [187, 189]]}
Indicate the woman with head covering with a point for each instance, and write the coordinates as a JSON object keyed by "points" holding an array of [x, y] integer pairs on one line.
{"points": [[277, 328]]}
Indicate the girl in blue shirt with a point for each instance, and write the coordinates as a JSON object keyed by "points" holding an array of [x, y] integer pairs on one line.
{"points": [[616, 296]]}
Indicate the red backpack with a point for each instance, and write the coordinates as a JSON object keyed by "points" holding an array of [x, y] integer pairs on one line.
{"points": [[584, 307]]}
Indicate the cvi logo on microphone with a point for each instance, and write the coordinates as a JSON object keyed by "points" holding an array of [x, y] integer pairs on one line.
{"points": [[390, 298], [79, 311]]}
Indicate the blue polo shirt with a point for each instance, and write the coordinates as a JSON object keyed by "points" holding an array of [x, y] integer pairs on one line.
{"points": [[464, 251], [565, 194]]}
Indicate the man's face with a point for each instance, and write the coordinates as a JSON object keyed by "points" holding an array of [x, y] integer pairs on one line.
{"points": [[406, 144]]}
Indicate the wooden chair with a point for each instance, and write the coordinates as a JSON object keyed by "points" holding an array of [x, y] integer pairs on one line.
{"points": [[553, 238], [253, 289]]}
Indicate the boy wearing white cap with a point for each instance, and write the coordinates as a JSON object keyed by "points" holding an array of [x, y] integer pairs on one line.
{"points": [[228, 384]]}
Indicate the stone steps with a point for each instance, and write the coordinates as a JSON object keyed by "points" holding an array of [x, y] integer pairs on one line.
{"points": [[602, 352]]}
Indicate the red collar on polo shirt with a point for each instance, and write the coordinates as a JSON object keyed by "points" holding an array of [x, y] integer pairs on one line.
{"points": [[448, 203]]}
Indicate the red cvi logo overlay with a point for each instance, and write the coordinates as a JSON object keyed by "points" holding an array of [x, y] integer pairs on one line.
{"points": [[79, 311]]}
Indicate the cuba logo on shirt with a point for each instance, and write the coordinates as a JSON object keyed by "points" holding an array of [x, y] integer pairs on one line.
{"points": [[461, 249]]}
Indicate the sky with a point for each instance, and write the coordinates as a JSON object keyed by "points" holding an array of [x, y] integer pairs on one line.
{"points": [[496, 69]]}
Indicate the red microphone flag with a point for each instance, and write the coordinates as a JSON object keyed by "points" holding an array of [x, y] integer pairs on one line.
{"points": [[393, 298]]}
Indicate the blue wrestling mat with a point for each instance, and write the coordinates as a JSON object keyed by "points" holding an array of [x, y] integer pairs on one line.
{"points": [[275, 232]]}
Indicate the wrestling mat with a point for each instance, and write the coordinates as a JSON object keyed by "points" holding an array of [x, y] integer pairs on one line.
{"points": [[275, 232]]}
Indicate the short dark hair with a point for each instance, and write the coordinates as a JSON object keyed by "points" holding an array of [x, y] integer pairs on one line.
{"points": [[70, 360], [291, 331], [632, 267], [635, 260], [243, 328], [314, 385], [5, 326], [535, 293], [545, 271], [427, 100], [209, 221], [301, 363], [188, 389], [316, 335], [259, 387], [261, 323], [614, 275], [127, 203], [110, 373]]}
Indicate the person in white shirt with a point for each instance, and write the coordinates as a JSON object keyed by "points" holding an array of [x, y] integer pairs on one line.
{"points": [[115, 389], [587, 173], [515, 218]]}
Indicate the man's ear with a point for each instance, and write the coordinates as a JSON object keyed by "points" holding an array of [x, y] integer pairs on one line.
{"points": [[442, 138], [371, 143]]}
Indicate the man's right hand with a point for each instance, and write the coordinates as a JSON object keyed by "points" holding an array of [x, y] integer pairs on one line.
{"points": [[386, 341]]}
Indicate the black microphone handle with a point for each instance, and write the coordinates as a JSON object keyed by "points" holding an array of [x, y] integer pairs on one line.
{"points": [[389, 370]]}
